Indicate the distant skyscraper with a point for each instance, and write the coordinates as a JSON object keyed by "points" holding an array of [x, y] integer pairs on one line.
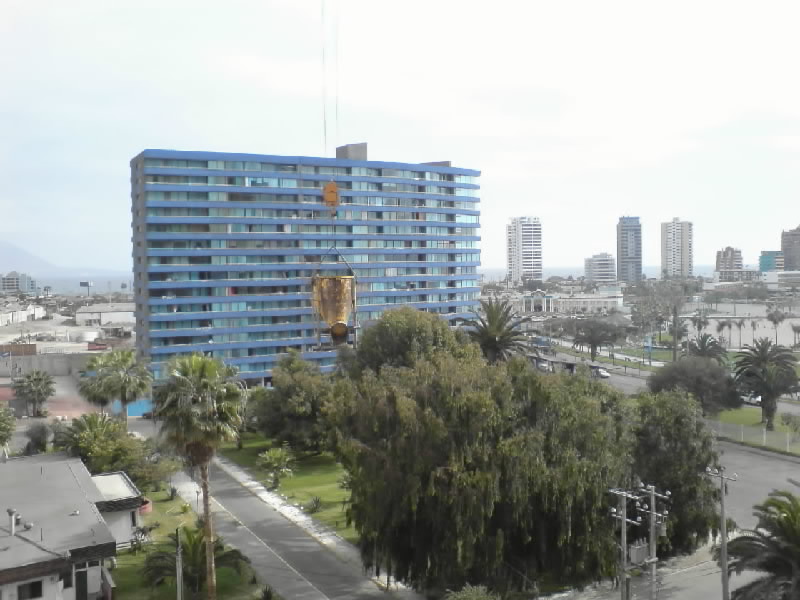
{"points": [[677, 249], [729, 259], [770, 260], [790, 246], [524, 249], [629, 249], [600, 268]]}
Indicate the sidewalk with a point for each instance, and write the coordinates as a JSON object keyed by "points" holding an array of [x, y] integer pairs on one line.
{"points": [[289, 551]]}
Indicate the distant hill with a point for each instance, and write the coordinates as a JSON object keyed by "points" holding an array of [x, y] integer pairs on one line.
{"points": [[14, 258]]}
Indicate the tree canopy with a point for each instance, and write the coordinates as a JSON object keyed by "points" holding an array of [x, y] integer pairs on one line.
{"points": [[705, 379], [464, 471], [767, 370], [706, 346], [34, 389], [596, 333], [495, 328]]}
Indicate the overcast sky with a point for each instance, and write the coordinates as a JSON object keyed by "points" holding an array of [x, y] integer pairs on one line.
{"points": [[576, 112]]}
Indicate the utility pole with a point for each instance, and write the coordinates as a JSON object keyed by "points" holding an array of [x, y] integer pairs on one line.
{"points": [[719, 473], [621, 514], [178, 565], [655, 518], [674, 333]]}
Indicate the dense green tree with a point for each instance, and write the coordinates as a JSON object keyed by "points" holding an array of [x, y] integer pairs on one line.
{"points": [[673, 449], [116, 375], [34, 389], [160, 564], [401, 337], [8, 424], [776, 317], [706, 346], [772, 549], [496, 330], [705, 379], [767, 370], [464, 471], [104, 446], [291, 412], [38, 435], [198, 408], [596, 333]]}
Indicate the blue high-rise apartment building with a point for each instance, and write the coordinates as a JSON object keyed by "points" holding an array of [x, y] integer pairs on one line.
{"points": [[225, 246]]}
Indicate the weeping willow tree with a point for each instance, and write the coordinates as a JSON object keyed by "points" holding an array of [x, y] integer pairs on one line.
{"points": [[465, 472]]}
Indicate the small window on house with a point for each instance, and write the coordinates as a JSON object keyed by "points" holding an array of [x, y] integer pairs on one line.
{"points": [[133, 518], [27, 591], [66, 578]]}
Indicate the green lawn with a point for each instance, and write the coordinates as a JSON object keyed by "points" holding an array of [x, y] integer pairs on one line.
{"points": [[749, 415], [168, 514], [313, 476]]}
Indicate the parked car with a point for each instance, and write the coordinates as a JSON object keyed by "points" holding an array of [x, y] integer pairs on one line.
{"points": [[752, 400], [602, 373]]}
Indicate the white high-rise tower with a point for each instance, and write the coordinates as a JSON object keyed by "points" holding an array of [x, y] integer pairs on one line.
{"points": [[524, 249], [677, 250]]}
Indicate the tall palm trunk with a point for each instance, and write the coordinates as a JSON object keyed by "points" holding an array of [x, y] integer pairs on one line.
{"points": [[211, 572]]}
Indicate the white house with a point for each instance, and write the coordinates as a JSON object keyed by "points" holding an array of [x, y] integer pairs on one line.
{"points": [[101, 314], [54, 542], [119, 506]]}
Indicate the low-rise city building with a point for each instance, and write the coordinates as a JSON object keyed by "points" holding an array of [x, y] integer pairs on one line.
{"points": [[729, 259], [119, 506], [11, 313], [782, 280], [102, 314], [15, 283], [54, 540], [736, 275]]}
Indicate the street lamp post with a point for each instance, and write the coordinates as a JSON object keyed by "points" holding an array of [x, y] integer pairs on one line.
{"points": [[719, 473]]}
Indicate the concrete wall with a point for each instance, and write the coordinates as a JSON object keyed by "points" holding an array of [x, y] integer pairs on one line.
{"points": [[101, 318], [120, 525], [53, 364]]}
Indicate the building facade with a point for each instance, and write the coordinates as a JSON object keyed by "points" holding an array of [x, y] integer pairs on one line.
{"points": [[102, 314], [790, 247], [770, 260], [600, 268], [629, 249], [524, 249], [736, 275], [677, 249], [15, 282], [225, 246], [729, 259]]}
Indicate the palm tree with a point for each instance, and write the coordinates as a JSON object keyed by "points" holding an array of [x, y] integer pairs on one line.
{"points": [[754, 326], [740, 325], [115, 375], [772, 549], [700, 322], [595, 334], [708, 347], [75, 438], [160, 564], [767, 370], [496, 330], [776, 317], [721, 325], [198, 406], [34, 389]]}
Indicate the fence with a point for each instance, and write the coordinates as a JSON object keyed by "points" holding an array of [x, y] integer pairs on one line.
{"points": [[757, 436]]}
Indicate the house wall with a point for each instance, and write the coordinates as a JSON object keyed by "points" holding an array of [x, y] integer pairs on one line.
{"points": [[120, 525], [101, 318], [51, 588]]}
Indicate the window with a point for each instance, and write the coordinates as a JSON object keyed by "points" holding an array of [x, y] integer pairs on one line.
{"points": [[133, 518], [66, 578], [94, 563], [30, 590]]}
